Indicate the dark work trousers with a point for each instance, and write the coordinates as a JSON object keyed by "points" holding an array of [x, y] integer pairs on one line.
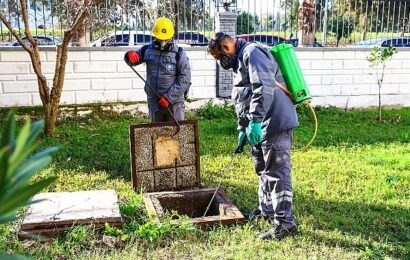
{"points": [[163, 114], [272, 164]]}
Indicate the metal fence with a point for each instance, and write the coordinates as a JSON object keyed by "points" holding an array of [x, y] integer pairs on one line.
{"points": [[338, 22], [114, 19]]}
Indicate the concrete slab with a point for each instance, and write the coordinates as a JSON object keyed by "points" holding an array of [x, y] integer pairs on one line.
{"points": [[56, 212]]}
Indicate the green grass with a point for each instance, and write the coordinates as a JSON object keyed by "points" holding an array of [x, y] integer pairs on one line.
{"points": [[351, 190]]}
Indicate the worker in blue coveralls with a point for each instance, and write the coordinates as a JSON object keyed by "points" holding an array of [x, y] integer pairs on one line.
{"points": [[266, 117], [168, 72]]}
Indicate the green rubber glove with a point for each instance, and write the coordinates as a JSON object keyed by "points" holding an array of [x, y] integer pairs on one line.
{"points": [[241, 136], [242, 141], [254, 132]]}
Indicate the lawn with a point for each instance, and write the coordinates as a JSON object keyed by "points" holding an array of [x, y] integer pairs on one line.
{"points": [[351, 189]]}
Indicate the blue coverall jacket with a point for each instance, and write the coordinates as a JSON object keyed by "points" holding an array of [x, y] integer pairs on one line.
{"points": [[255, 93], [169, 76]]}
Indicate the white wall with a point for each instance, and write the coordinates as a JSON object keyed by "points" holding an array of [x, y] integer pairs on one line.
{"points": [[92, 75], [336, 77], [342, 77]]}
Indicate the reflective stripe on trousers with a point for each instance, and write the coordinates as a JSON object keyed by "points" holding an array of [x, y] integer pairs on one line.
{"points": [[272, 164]]}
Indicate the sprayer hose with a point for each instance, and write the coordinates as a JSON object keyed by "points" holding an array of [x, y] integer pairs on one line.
{"points": [[316, 126]]}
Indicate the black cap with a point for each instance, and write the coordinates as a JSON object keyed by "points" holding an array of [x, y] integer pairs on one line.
{"points": [[215, 42]]}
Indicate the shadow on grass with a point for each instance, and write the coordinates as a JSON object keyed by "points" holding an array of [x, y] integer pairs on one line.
{"points": [[383, 229]]}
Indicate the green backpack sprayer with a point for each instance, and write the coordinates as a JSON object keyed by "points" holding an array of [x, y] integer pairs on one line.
{"points": [[296, 89], [285, 57]]}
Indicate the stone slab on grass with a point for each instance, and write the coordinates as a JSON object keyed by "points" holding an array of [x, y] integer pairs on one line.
{"points": [[56, 212]]}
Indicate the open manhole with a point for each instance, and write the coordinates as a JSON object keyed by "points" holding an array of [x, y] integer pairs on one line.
{"points": [[165, 165], [193, 203]]}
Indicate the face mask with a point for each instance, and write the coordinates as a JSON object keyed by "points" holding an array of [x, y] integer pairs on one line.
{"points": [[163, 45], [225, 62]]}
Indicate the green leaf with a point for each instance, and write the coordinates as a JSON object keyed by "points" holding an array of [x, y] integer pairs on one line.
{"points": [[9, 130], [26, 171], [3, 166], [44, 152], [21, 141], [34, 164], [9, 216], [13, 165], [19, 197], [21, 151], [35, 130]]}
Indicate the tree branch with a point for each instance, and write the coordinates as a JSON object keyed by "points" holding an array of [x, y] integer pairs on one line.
{"points": [[81, 15], [15, 34], [24, 11], [61, 59]]}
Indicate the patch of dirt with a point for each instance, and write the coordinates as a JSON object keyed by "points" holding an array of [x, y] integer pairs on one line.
{"points": [[167, 151]]}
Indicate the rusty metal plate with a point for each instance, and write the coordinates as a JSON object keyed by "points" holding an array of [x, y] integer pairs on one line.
{"points": [[163, 160]]}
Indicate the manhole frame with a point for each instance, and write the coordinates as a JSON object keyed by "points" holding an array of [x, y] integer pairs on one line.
{"points": [[194, 123], [234, 217]]}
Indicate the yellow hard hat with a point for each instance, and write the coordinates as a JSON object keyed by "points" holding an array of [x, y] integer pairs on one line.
{"points": [[163, 29]]}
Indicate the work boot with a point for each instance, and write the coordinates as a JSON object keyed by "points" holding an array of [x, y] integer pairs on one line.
{"points": [[279, 232], [255, 214]]}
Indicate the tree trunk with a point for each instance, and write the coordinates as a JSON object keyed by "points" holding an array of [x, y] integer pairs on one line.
{"points": [[51, 120], [379, 117], [307, 22], [81, 37], [176, 25], [364, 27]]}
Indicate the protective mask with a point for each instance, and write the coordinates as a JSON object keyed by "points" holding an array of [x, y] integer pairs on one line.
{"points": [[225, 61], [163, 45]]}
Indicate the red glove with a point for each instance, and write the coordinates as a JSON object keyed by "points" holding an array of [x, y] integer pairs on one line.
{"points": [[132, 58], [163, 101]]}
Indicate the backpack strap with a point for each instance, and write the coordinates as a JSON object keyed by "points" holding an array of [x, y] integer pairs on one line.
{"points": [[179, 54], [143, 49]]}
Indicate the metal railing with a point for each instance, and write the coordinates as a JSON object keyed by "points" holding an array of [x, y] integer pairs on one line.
{"points": [[114, 22], [338, 22]]}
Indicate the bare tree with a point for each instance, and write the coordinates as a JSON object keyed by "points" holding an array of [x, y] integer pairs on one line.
{"points": [[50, 98]]}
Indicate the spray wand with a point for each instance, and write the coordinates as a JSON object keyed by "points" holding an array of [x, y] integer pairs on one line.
{"points": [[238, 150], [156, 93]]}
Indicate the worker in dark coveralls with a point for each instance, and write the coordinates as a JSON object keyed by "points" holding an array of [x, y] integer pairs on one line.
{"points": [[266, 117], [168, 72]]}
